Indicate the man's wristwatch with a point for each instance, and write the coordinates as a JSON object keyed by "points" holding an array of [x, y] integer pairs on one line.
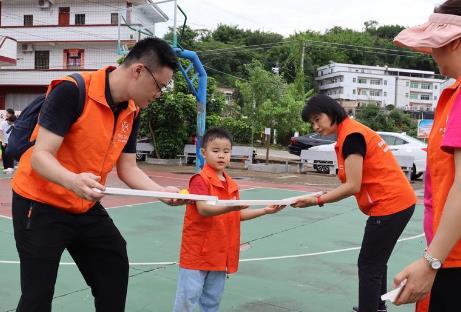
{"points": [[434, 263]]}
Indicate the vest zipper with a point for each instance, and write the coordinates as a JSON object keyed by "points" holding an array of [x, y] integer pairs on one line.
{"points": [[111, 142]]}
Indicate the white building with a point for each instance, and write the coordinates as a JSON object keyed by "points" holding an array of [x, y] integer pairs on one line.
{"points": [[357, 85], [58, 37]]}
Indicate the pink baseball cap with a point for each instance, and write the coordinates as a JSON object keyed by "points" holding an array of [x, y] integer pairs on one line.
{"points": [[439, 31]]}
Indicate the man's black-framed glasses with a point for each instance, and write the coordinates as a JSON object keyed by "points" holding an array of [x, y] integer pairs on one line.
{"points": [[161, 89]]}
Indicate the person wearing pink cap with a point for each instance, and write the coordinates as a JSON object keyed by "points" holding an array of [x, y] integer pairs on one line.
{"points": [[439, 268]]}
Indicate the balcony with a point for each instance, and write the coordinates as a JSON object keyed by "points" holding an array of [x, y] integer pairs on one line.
{"points": [[31, 77], [8, 51], [333, 85], [363, 97], [72, 33]]}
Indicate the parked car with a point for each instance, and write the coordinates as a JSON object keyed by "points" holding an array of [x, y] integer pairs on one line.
{"points": [[403, 144], [307, 141], [399, 143]]}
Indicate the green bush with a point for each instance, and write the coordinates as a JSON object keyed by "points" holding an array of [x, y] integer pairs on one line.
{"points": [[240, 129], [170, 147]]}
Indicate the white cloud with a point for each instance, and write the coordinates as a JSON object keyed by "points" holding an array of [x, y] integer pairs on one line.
{"points": [[286, 17]]}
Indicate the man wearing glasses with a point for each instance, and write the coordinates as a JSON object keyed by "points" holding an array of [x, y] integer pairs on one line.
{"points": [[55, 205]]}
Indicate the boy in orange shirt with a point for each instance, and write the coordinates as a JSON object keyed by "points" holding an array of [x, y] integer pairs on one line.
{"points": [[210, 244]]}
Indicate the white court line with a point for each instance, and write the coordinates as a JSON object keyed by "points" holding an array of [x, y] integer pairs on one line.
{"points": [[322, 252], [9, 218], [246, 260]]}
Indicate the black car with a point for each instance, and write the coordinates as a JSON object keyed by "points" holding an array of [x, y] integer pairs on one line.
{"points": [[307, 141]]}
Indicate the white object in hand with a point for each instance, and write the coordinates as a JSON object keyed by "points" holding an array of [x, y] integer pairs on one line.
{"points": [[261, 202], [250, 202], [143, 193], [393, 294]]}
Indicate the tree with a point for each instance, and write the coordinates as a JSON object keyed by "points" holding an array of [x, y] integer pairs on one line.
{"points": [[382, 120], [270, 102]]}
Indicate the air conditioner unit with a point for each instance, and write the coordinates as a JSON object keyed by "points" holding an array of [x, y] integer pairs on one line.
{"points": [[27, 47], [44, 4]]}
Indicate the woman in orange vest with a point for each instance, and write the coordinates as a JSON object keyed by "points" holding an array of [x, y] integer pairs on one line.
{"points": [[368, 170], [439, 268]]}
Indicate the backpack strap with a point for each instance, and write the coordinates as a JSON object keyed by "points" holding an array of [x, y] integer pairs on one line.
{"points": [[81, 91]]}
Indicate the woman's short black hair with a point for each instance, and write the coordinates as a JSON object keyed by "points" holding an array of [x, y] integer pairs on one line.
{"points": [[321, 103]]}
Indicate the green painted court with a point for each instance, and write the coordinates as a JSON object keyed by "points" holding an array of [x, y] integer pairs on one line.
{"points": [[297, 260]]}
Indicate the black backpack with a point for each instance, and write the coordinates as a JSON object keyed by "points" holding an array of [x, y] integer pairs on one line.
{"points": [[19, 140]]}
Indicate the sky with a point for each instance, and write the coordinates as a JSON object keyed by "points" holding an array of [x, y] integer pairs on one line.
{"points": [[288, 16]]}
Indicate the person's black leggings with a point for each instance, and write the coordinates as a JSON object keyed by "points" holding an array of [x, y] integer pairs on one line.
{"points": [[7, 162], [380, 236], [42, 233], [445, 291]]}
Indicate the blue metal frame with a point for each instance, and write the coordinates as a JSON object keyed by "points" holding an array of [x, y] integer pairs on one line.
{"points": [[199, 93]]}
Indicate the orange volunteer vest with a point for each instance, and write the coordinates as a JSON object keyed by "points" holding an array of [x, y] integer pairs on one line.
{"points": [[441, 165], [212, 243], [385, 189], [91, 145]]}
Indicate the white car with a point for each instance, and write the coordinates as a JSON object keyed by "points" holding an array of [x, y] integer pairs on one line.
{"points": [[399, 143]]}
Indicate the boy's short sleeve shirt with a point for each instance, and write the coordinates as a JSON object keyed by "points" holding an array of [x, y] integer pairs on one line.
{"points": [[198, 186]]}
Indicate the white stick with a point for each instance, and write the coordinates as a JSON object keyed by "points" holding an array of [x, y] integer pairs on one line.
{"points": [[250, 202], [295, 198], [143, 193], [262, 202]]}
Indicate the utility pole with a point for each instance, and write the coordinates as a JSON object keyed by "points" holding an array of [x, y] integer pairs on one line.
{"points": [[302, 58]]}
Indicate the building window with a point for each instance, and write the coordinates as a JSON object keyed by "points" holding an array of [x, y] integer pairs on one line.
{"points": [[362, 80], [375, 93], [353, 91], [385, 93], [375, 81], [414, 84], [114, 18], [42, 59], [74, 59], [354, 80], [407, 83], [385, 82], [435, 87], [425, 97], [425, 85], [406, 95], [414, 96], [435, 97], [28, 20], [79, 19]]}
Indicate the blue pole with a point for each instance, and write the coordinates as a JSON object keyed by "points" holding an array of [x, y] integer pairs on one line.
{"points": [[200, 94]]}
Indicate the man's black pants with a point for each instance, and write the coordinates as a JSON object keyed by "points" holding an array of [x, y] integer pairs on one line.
{"points": [[42, 233], [380, 236]]}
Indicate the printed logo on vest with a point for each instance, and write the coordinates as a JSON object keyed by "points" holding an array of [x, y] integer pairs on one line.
{"points": [[382, 144], [125, 126]]}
